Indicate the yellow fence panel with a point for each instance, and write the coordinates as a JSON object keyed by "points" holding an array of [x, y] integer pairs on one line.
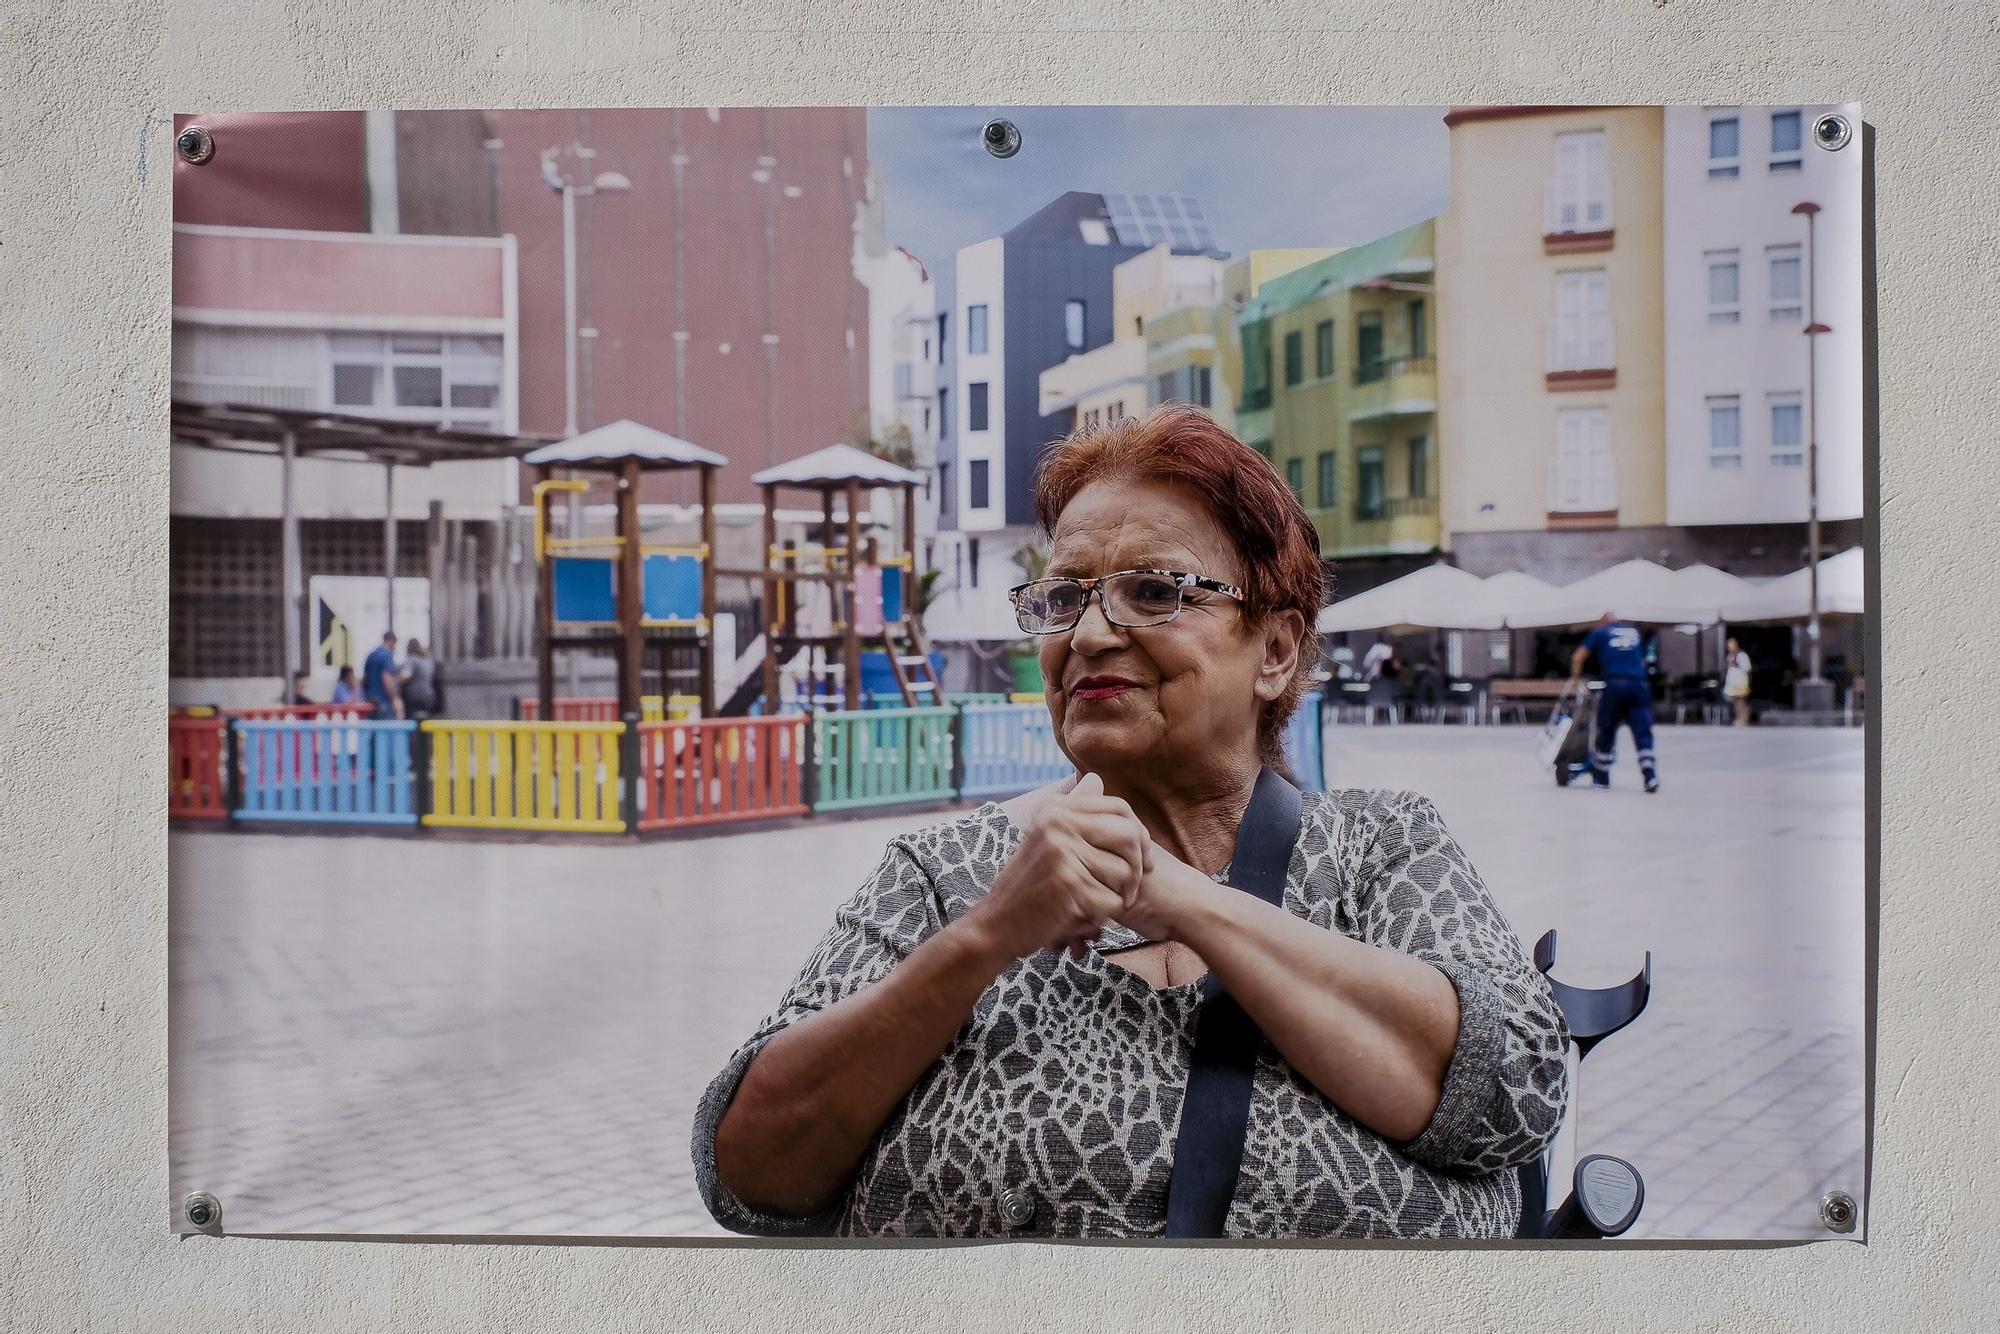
{"points": [[548, 776]]}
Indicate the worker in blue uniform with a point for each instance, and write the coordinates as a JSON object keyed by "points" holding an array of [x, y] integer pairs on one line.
{"points": [[1627, 699]]}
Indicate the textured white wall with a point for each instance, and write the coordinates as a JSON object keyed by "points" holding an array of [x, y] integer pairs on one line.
{"points": [[87, 88]]}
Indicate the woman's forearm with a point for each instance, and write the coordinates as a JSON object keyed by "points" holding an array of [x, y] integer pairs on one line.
{"points": [[1371, 1028], [816, 1095]]}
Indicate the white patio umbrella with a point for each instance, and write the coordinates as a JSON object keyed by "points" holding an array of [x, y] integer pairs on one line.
{"points": [[1437, 597], [1635, 590], [1841, 592]]}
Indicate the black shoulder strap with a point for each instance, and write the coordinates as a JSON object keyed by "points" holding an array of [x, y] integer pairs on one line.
{"points": [[1216, 1111]]}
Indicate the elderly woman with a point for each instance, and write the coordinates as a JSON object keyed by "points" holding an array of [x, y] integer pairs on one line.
{"points": [[1003, 1029]]}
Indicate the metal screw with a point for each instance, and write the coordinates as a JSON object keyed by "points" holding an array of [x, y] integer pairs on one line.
{"points": [[1017, 1208], [1838, 1211], [195, 145], [201, 1209], [1832, 132], [1001, 137]]}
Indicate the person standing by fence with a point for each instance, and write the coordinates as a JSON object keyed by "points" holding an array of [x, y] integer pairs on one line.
{"points": [[422, 695], [379, 679], [1627, 698]]}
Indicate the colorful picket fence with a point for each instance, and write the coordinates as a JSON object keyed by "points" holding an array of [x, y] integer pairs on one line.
{"points": [[543, 776], [1008, 748], [1305, 744], [307, 771], [881, 757], [696, 773], [197, 782], [595, 776]]}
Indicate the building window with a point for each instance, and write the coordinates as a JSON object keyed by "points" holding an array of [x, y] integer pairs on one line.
{"points": [[1203, 386], [1583, 477], [979, 479], [1725, 147], [1369, 494], [1786, 138], [1786, 288], [942, 345], [944, 414], [1262, 447], [1326, 479], [1295, 478], [1323, 349], [1256, 365], [945, 496], [927, 419], [1725, 287], [1582, 333], [1117, 411], [451, 381], [972, 558], [1295, 358], [1420, 335], [1368, 347], [1725, 431], [975, 406], [1163, 388], [927, 348], [1787, 437], [975, 330], [958, 565], [1073, 325], [1579, 194], [1420, 466]]}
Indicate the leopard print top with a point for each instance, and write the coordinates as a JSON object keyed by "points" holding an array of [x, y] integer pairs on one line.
{"points": [[1061, 1095]]}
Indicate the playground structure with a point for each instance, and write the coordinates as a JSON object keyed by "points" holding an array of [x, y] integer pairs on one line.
{"points": [[868, 596], [640, 762], [618, 591]]}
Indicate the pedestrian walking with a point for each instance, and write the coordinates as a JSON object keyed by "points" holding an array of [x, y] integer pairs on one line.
{"points": [[1626, 699], [422, 695], [1736, 683], [379, 685]]}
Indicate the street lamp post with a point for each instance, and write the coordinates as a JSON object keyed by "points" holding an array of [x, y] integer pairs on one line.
{"points": [[604, 183], [1815, 692]]}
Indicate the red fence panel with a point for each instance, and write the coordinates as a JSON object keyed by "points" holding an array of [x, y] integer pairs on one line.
{"points": [[694, 773], [196, 787]]}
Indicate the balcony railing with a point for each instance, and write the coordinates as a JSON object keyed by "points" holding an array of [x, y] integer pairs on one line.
{"points": [[1385, 368], [1396, 507]]}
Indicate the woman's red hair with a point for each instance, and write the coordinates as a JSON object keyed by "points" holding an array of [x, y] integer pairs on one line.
{"points": [[1182, 445]]}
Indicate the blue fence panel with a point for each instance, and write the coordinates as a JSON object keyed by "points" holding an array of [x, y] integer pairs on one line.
{"points": [[309, 772], [1009, 748], [1305, 744]]}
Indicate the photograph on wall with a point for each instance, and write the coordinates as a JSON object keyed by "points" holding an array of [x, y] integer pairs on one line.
{"points": [[1020, 672]]}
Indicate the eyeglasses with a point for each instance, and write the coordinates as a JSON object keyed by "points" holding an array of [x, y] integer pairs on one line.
{"points": [[1132, 599]]}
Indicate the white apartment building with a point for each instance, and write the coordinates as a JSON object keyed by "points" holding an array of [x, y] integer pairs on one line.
{"points": [[1744, 274]]}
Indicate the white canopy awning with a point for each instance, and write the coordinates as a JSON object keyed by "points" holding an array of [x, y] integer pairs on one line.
{"points": [[626, 439], [1842, 583], [835, 466], [1437, 597], [1636, 590]]}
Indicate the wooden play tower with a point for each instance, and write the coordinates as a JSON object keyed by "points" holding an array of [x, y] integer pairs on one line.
{"points": [[872, 598], [618, 591]]}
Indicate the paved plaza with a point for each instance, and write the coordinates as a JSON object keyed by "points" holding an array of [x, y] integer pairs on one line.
{"points": [[449, 1035]]}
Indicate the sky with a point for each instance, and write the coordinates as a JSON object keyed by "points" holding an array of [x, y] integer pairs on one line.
{"points": [[1265, 176]]}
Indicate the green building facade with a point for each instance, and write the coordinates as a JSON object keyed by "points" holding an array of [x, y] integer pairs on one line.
{"points": [[1339, 390]]}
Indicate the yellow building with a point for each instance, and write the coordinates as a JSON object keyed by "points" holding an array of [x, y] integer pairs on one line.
{"points": [[1193, 354], [1340, 377], [1551, 335], [1110, 381]]}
